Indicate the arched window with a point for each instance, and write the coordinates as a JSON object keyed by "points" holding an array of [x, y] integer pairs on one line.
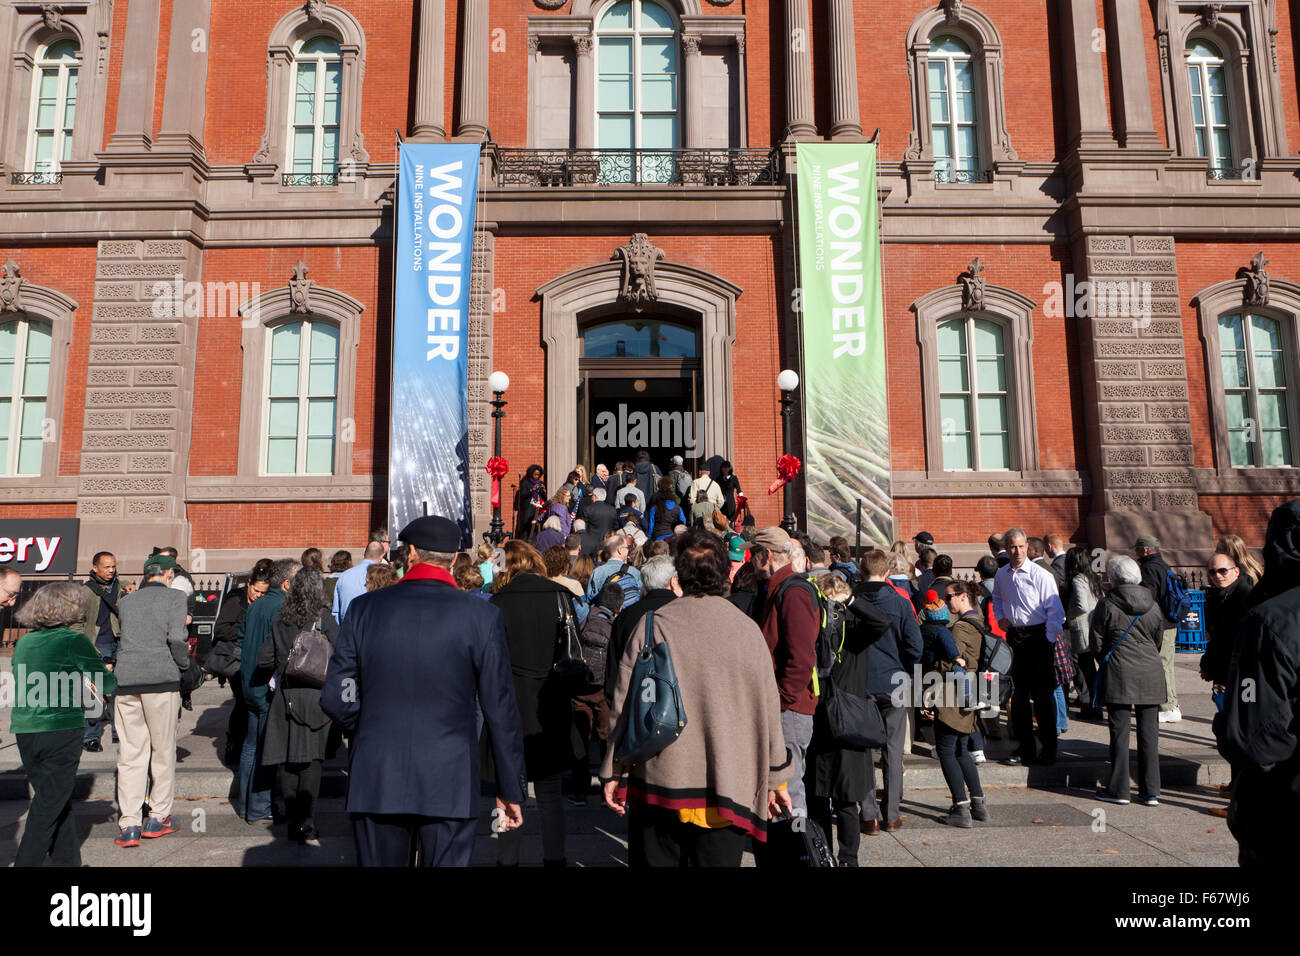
{"points": [[639, 338], [953, 124], [54, 105], [315, 110], [1253, 356], [636, 89], [975, 419], [1211, 121], [25, 350], [302, 398]]}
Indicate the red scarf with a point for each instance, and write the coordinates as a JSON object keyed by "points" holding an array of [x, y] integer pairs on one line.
{"points": [[429, 572]]}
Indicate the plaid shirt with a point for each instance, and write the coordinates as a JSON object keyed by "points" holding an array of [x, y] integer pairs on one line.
{"points": [[1064, 666]]}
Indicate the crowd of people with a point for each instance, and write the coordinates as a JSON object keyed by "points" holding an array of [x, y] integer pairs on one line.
{"points": [[794, 663]]}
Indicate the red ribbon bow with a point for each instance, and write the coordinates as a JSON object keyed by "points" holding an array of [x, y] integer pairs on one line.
{"points": [[787, 466], [498, 469]]}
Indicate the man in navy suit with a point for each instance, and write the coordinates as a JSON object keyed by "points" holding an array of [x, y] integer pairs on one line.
{"points": [[407, 665]]}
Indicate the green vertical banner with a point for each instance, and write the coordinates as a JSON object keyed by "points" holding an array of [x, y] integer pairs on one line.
{"points": [[843, 316]]}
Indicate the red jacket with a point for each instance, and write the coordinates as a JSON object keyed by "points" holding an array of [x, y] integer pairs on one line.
{"points": [[791, 635]]}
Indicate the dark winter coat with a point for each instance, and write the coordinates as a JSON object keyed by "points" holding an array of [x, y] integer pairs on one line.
{"points": [[1155, 578], [1257, 733], [898, 651], [601, 518], [1225, 608], [834, 769], [730, 486], [647, 476], [1134, 674], [297, 734], [525, 509], [531, 606], [664, 515]]}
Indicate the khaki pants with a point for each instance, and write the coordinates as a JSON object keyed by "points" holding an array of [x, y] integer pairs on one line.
{"points": [[1167, 659], [146, 731]]}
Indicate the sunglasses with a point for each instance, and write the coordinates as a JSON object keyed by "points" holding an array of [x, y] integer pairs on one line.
{"points": [[1220, 572]]}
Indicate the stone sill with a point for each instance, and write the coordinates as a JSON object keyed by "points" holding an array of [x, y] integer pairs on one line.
{"points": [[1247, 481], [234, 488], [35, 490], [990, 484]]}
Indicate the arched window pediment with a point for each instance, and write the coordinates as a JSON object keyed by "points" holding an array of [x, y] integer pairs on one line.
{"points": [[1001, 429], [939, 146]]}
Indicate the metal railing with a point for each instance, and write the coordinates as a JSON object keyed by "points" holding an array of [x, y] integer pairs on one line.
{"points": [[944, 176], [1230, 172], [38, 178], [208, 590], [642, 167], [309, 179]]}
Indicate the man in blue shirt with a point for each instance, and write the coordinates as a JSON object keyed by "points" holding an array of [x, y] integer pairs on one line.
{"points": [[352, 582]]}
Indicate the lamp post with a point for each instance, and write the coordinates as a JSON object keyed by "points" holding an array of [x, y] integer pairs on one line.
{"points": [[787, 382], [498, 382]]}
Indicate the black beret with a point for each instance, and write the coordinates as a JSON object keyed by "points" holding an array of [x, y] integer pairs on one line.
{"points": [[432, 533]]}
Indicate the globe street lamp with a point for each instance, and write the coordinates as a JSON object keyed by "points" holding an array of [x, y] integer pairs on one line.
{"points": [[498, 382], [787, 382]]}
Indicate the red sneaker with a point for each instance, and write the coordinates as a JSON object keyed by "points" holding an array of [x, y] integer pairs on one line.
{"points": [[157, 828]]}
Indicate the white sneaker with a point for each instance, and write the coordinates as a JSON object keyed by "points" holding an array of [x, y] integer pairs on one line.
{"points": [[1169, 716], [978, 756]]}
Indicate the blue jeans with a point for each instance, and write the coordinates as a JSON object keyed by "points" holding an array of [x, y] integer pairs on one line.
{"points": [[95, 728], [1062, 720], [254, 798]]}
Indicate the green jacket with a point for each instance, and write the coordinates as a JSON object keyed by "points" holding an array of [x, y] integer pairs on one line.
{"points": [[90, 625], [47, 664]]}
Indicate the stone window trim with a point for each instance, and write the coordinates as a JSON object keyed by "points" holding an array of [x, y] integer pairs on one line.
{"points": [[1245, 31], [1014, 312], [576, 298], [574, 33], [46, 305], [257, 317], [273, 155], [977, 31], [87, 24], [1228, 298]]}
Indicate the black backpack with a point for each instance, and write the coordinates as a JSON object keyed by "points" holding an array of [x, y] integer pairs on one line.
{"points": [[830, 638], [996, 657]]}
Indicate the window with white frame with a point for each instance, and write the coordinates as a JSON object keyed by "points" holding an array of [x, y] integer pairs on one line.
{"points": [[1208, 80], [1253, 356], [54, 107], [953, 124], [973, 395], [636, 89], [314, 114], [302, 398], [24, 394]]}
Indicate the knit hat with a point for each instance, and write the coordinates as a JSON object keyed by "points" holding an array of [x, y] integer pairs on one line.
{"points": [[935, 609]]}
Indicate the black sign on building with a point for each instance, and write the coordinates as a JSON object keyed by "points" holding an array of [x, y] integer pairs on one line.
{"points": [[39, 545]]}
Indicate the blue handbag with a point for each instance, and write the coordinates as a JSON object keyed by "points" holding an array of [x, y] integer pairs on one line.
{"points": [[655, 715]]}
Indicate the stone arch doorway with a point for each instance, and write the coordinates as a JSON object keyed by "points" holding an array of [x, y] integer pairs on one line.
{"points": [[682, 296]]}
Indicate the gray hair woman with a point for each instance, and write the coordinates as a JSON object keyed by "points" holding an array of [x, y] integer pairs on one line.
{"points": [[56, 656], [1126, 631]]}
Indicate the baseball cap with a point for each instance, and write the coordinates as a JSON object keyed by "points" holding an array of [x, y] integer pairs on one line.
{"points": [[1147, 541], [736, 548], [158, 564], [772, 539], [924, 537]]}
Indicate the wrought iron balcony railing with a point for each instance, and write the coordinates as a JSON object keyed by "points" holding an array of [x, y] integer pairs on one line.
{"points": [[1245, 171], [642, 167], [942, 176], [310, 179], [38, 178]]}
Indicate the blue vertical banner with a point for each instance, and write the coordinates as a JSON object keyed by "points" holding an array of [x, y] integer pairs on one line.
{"points": [[428, 454]]}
